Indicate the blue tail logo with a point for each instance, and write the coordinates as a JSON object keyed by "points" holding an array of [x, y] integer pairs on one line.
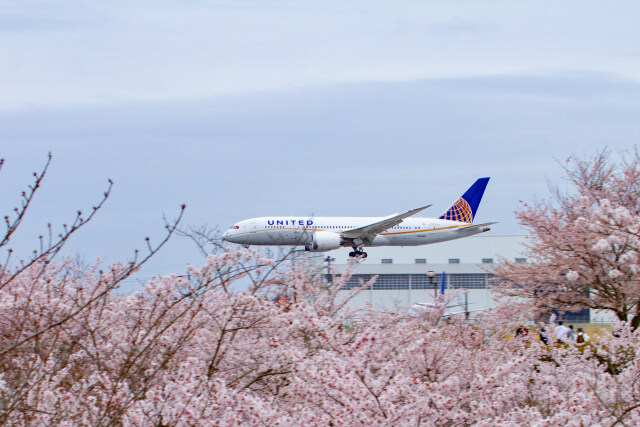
{"points": [[464, 210]]}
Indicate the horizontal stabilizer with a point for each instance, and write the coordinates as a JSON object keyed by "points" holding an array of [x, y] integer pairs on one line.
{"points": [[476, 227]]}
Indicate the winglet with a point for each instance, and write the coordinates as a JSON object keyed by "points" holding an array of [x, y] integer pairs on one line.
{"points": [[464, 210]]}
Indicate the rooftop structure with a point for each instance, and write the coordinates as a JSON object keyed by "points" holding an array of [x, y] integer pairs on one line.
{"points": [[403, 272]]}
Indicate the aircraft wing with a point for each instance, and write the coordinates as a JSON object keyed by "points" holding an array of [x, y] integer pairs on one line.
{"points": [[368, 232]]}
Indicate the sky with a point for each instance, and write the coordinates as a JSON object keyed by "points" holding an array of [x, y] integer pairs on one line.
{"points": [[245, 108]]}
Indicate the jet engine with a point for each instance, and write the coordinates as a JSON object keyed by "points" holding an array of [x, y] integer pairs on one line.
{"points": [[324, 241]]}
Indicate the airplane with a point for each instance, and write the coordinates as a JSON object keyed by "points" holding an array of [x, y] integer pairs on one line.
{"points": [[421, 308], [321, 234]]}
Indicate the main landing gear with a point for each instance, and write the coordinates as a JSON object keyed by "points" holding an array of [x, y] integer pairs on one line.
{"points": [[357, 253]]}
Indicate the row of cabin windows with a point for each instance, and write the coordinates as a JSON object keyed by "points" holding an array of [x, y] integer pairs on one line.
{"points": [[452, 260]]}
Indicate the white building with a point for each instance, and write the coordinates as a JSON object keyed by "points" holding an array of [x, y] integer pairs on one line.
{"points": [[403, 279]]}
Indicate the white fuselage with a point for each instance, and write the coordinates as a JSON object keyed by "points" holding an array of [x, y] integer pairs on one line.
{"points": [[300, 230]]}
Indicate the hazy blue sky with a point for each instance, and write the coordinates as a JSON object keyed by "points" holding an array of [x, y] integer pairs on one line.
{"points": [[247, 108]]}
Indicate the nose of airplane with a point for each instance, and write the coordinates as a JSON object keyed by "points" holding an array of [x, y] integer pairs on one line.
{"points": [[225, 235]]}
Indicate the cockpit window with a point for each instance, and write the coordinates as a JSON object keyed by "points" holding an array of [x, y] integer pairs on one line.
{"points": [[235, 227]]}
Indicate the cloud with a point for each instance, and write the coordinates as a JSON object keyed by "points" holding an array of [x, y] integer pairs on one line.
{"points": [[25, 24], [105, 53], [352, 149]]}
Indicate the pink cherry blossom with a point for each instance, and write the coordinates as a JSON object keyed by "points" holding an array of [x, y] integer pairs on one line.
{"points": [[288, 350], [592, 232]]}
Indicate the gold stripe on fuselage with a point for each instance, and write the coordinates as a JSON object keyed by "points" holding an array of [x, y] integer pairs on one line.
{"points": [[427, 230]]}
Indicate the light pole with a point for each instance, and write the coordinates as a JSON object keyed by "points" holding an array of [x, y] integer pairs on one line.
{"points": [[431, 274], [329, 260]]}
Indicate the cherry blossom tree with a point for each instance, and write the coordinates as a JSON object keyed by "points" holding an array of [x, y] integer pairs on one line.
{"points": [[40, 296], [585, 246], [193, 350]]}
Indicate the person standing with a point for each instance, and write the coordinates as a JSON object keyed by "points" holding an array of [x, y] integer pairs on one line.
{"points": [[581, 337], [562, 332], [543, 335]]}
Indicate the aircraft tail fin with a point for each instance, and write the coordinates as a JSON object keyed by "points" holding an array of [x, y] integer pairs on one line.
{"points": [[464, 210]]}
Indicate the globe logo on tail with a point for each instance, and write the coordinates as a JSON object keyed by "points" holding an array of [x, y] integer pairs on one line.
{"points": [[460, 211]]}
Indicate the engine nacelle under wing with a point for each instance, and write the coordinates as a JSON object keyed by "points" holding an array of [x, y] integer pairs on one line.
{"points": [[324, 241]]}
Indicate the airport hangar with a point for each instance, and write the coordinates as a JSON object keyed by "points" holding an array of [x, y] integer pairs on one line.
{"points": [[403, 273]]}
